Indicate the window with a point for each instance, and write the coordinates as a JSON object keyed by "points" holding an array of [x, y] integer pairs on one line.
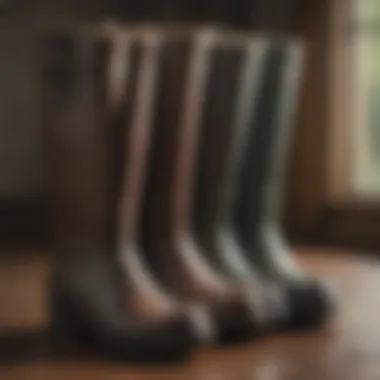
{"points": [[349, 208], [363, 103]]}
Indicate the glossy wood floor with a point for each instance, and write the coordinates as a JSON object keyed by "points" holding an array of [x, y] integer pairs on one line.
{"points": [[347, 349]]}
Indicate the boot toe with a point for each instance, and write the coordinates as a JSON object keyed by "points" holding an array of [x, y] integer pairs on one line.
{"points": [[235, 323], [276, 308], [310, 304], [169, 341], [174, 341]]}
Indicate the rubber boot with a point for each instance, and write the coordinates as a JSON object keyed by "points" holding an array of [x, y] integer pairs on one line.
{"points": [[166, 234], [89, 294], [255, 212], [237, 68]]}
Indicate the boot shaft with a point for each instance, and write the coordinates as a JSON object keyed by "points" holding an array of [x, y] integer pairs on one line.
{"points": [[173, 139], [235, 69], [259, 187]]}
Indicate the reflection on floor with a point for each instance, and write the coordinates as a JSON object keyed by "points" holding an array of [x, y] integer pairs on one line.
{"points": [[347, 349]]}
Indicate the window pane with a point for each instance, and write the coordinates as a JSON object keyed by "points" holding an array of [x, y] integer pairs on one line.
{"points": [[368, 11], [367, 110]]}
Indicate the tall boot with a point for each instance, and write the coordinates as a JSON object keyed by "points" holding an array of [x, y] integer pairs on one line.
{"points": [[166, 235], [255, 211], [237, 67], [89, 293], [138, 51]]}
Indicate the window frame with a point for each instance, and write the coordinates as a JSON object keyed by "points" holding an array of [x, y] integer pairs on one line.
{"points": [[318, 208], [351, 217]]}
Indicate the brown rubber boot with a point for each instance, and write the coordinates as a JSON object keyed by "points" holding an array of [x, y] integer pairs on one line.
{"points": [[90, 294], [138, 51], [166, 237]]}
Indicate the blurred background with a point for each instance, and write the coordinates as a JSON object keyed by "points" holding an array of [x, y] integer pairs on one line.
{"points": [[332, 200]]}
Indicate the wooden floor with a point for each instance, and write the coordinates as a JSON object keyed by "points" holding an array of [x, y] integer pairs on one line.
{"points": [[347, 349]]}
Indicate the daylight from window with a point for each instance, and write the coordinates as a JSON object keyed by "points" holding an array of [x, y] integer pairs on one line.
{"points": [[366, 61]]}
